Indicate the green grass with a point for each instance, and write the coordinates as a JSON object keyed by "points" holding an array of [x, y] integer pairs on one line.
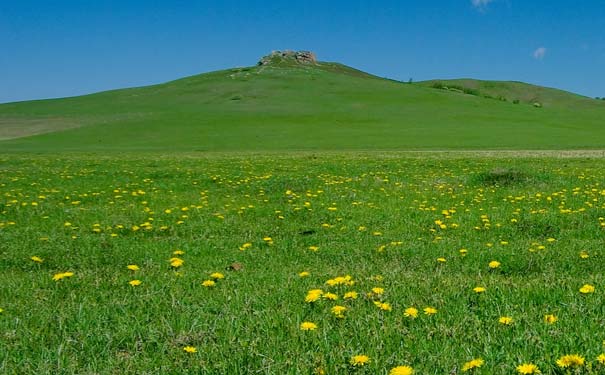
{"points": [[80, 214], [303, 107]]}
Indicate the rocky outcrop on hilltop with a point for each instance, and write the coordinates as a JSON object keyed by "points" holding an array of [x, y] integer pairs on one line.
{"points": [[301, 57]]}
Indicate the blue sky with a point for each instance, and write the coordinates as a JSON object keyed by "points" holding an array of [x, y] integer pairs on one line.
{"points": [[64, 48]]}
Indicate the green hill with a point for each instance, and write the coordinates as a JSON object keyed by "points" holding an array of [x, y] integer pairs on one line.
{"points": [[287, 105]]}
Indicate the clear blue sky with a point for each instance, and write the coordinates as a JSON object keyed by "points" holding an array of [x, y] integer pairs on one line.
{"points": [[64, 48]]}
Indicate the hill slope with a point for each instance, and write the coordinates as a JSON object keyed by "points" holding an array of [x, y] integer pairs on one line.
{"points": [[290, 106]]}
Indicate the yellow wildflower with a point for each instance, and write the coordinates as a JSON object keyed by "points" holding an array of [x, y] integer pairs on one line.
{"points": [[528, 368], [135, 282], [430, 310], [587, 288], [570, 360], [176, 262], [308, 326], [178, 252], [37, 259], [378, 291], [350, 295], [401, 370], [411, 312], [217, 276], [550, 319], [330, 296], [304, 274], [208, 283], [494, 264], [132, 267], [475, 363], [601, 359], [313, 295], [360, 360], [190, 349], [506, 320], [338, 311], [479, 289], [62, 275]]}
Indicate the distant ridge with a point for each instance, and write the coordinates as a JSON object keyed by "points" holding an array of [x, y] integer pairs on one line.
{"points": [[292, 101]]}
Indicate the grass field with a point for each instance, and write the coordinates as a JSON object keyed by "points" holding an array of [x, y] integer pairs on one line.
{"points": [[446, 263], [324, 107]]}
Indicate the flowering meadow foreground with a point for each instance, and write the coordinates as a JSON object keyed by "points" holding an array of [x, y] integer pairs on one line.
{"points": [[302, 264]]}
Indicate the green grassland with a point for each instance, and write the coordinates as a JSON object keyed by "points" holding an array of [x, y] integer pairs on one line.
{"points": [[290, 106], [385, 220]]}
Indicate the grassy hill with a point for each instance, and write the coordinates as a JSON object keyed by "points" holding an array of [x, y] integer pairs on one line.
{"points": [[291, 106]]}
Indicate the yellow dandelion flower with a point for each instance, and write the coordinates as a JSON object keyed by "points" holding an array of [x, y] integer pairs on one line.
{"points": [[135, 282], [401, 370], [528, 368], [359, 360], [308, 326], [479, 289], [304, 274], [584, 255], [313, 295], [378, 291], [463, 252], [132, 267], [37, 259], [190, 349], [472, 364], [178, 252], [313, 248], [384, 306], [587, 288], [338, 311], [208, 283], [494, 264], [217, 276], [506, 320], [411, 312], [62, 275], [245, 246], [176, 262], [430, 310], [441, 260], [570, 360], [350, 295], [330, 296], [601, 359], [550, 319]]}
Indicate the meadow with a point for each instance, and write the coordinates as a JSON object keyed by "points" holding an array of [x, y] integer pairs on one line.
{"points": [[302, 263]]}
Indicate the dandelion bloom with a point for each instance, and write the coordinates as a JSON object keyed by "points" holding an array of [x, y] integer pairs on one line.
{"points": [[463, 252], [350, 295], [378, 291], [360, 360], [190, 349], [62, 275], [528, 368], [304, 274], [176, 262], [506, 320], [37, 259], [217, 276], [313, 295], [208, 283], [132, 267], [135, 282], [550, 319], [411, 312], [401, 370], [494, 264], [587, 288], [383, 306], [308, 326], [338, 311], [313, 248], [441, 260], [570, 360], [479, 289], [430, 310], [330, 296], [601, 359], [178, 252], [475, 363], [584, 255]]}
